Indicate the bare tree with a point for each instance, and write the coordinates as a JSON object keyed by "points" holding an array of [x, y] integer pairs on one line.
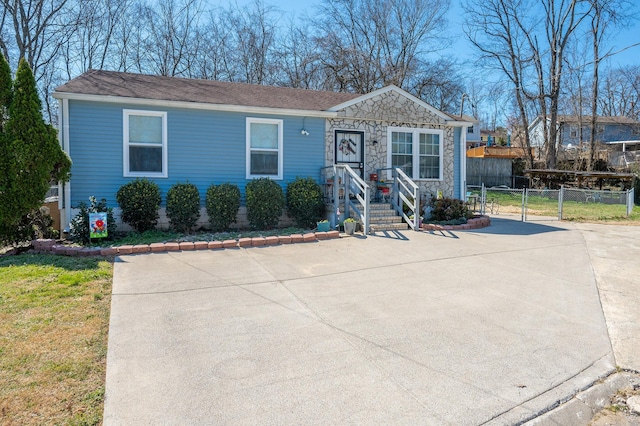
{"points": [[498, 34], [253, 39], [35, 30], [604, 16], [438, 83], [97, 39], [370, 44], [528, 48], [300, 61], [621, 95], [170, 45]]}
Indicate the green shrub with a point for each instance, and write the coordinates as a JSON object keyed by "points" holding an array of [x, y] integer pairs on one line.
{"points": [[183, 206], [223, 203], [445, 209], [79, 230], [265, 202], [35, 224], [139, 201], [305, 202]]}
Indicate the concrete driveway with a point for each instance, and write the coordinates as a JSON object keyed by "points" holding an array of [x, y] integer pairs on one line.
{"points": [[493, 326]]}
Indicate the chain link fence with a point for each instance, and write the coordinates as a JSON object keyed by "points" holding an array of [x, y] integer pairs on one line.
{"points": [[563, 203]]}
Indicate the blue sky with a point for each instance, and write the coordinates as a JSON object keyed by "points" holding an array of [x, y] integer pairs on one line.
{"points": [[461, 48]]}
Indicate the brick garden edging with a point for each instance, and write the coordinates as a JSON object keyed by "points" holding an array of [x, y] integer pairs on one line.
{"points": [[474, 223], [52, 247]]}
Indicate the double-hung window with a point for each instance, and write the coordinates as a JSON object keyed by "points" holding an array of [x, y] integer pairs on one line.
{"points": [[145, 143], [418, 152], [264, 148]]}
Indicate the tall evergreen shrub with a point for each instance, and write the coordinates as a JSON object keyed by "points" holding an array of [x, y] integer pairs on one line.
{"points": [[31, 157]]}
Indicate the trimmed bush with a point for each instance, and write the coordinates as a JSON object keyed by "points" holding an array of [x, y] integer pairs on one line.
{"points": [[139, 201], [305, 202], [265, 203], [183, 206], [79, 230], [223, 203], [449, 209]]}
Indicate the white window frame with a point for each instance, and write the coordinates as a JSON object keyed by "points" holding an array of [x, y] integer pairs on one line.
{"points": [[125, 131], [573, 132], [416, 150], [280, 123]]}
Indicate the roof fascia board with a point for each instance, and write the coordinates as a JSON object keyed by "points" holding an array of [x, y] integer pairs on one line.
{"points": [[390, 88], [460, 123], [193, 105]]}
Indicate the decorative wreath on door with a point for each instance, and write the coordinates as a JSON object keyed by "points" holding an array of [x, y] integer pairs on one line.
{"points": [[347, 146]]}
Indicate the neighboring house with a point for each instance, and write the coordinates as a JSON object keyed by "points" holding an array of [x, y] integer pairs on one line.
{"points": [[493, 137], [574, 130], [473, 131], [120, 126]]}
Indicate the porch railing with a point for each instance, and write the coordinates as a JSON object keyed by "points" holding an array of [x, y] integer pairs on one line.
{"points": [[406, 192], [348, 192]]}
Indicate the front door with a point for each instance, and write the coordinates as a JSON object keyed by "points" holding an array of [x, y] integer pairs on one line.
{"points": [[349, 149]]}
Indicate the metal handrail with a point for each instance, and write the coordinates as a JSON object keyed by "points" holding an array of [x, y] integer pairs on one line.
{"points": [[403, 184], [352, 184]]}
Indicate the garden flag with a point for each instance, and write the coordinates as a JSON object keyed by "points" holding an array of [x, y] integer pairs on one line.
{"points": [[97, 225]]}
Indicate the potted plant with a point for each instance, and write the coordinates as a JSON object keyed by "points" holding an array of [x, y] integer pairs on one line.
{"points": [[323, 226], [420, 219], [349, 226]]}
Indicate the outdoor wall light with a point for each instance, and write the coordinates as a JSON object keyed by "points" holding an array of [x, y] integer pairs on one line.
{"points": [[304, 132], [374, 142]]}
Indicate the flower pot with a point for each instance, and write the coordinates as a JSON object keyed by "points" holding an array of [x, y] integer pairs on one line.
{"points": [[349, 228], [323, 226]]}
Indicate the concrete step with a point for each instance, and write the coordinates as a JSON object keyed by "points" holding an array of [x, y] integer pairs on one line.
{"points": [[388, 227], [385, 219], [380, 209], [380, 206], [382, 213]]}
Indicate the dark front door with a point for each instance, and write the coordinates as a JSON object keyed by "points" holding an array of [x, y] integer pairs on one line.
{"points": [[349, 149]]}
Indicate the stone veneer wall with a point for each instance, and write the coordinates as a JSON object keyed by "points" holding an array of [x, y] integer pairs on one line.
{"points": [[374, 116]]}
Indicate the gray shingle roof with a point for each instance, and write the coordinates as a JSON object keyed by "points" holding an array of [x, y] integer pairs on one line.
{"points": [[111, 83], [586, 119]]}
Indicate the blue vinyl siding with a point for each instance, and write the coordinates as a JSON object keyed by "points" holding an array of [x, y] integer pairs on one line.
{"points": [[204, 147], [610, 133], [456, 163]]}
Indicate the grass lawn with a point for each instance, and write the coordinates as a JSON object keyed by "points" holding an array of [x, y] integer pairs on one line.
{"points": [[54, 317]]}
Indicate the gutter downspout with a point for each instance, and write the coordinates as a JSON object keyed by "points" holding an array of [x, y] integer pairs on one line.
{"points": [[463, 163], [65, 144]]}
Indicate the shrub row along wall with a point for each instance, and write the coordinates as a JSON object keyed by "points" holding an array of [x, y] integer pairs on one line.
{"points": [[140, 200]]}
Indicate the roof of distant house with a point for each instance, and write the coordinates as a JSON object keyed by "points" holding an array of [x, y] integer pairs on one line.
{"points": [[600, 119], [463, 117], [140, 86]]}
